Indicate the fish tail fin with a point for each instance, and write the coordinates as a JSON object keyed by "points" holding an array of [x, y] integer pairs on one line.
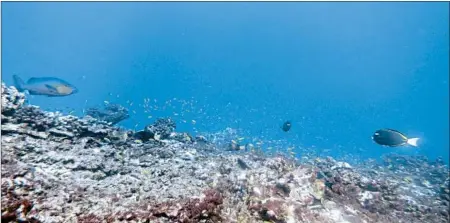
{"points": [[18, 82], [413, 141]]}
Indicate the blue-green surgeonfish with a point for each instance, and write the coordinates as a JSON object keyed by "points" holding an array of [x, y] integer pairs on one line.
{"points": [[49, 86]]}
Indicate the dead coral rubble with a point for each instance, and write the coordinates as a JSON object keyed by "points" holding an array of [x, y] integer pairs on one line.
{"points": [[112, 113], [391, 190], [189, 211], [58, 168]]}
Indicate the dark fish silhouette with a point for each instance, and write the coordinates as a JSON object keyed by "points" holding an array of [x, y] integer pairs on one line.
{"points": [[286, 126], [393, 138]]}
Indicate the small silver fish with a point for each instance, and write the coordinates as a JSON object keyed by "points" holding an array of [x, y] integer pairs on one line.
{"points": [[49, 86]]}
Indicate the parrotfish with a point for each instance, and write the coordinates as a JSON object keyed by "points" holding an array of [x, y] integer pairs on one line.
{"points": [[49, 86]]}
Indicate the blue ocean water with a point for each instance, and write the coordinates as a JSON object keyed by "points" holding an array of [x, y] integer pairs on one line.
{"points": [[337, 71]]}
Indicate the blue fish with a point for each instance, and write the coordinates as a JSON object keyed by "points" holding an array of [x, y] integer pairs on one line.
{"points": [[49, 86]]}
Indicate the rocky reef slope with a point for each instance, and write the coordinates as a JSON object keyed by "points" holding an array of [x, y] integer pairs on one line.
{"points": [[59, 168]]}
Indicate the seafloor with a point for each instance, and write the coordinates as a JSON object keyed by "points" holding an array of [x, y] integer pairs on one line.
{"points": [[59, 168]]}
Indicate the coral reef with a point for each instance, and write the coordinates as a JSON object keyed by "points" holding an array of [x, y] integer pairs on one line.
{"points": [[163, 128], [112, 113], [59, 168]]}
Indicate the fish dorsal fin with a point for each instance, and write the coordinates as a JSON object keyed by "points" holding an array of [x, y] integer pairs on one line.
{"points": [[393, 130], [34, 80]]}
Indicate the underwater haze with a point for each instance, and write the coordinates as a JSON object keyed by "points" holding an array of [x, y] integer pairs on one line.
{"points": [[338, 71]]}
